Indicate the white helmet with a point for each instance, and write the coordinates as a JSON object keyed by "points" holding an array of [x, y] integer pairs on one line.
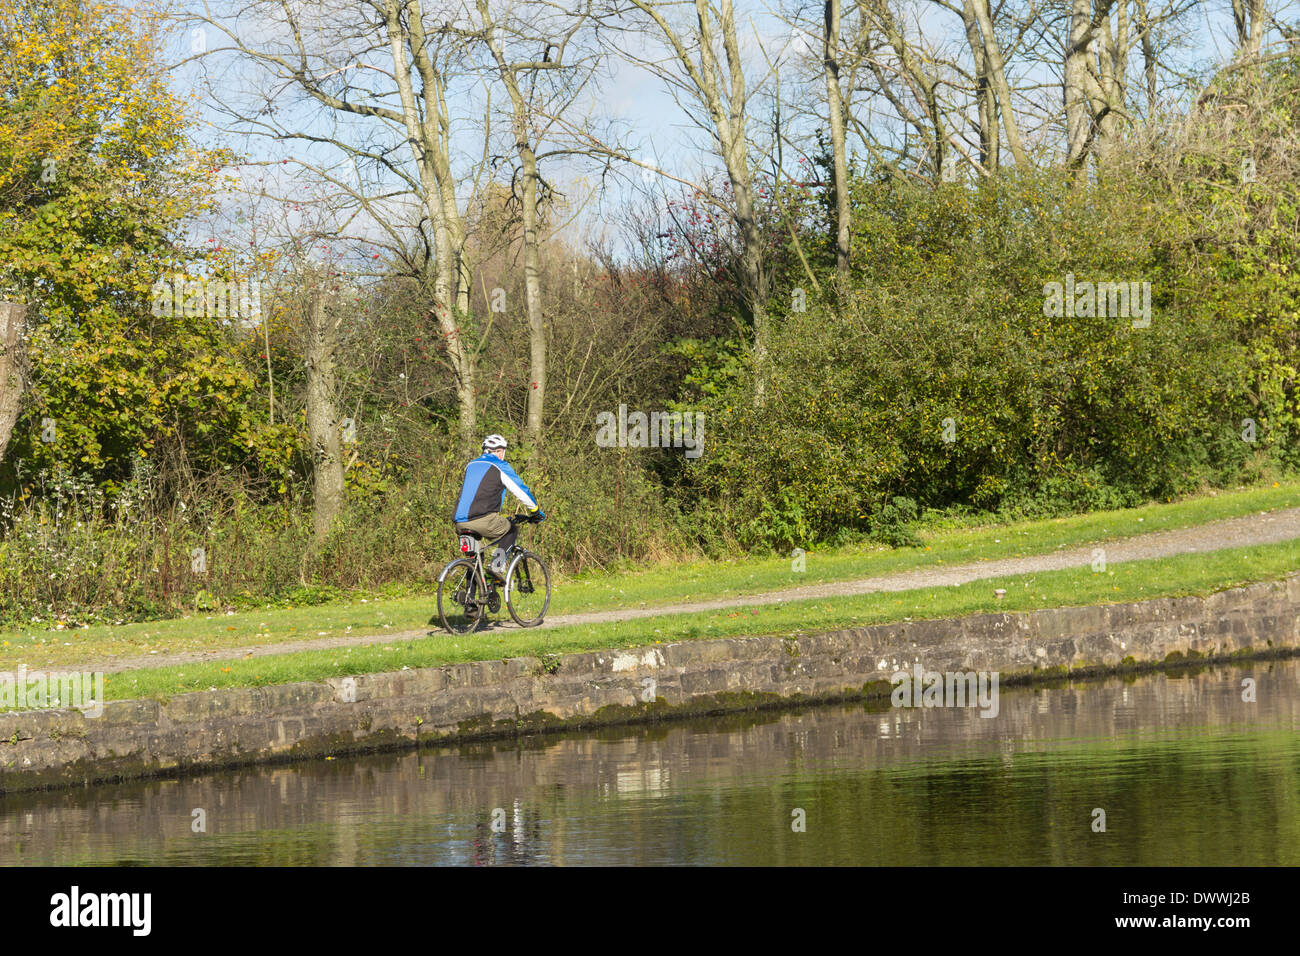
{"points": [[493, 442]]}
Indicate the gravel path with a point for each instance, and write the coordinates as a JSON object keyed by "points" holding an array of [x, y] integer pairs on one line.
{"points": [[1264, 528]]}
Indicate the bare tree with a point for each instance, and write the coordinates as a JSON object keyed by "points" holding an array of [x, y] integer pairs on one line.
{"points": [[706, 67], [1086, 101], [549, 31], [382, 83], [1250, 18], [835, 116], [1145, 26], [986, 103], [921, 81], [994, 76]]}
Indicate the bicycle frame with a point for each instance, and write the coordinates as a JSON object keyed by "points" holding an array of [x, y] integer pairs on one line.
{"points": [[480, 592], [482, 580]]}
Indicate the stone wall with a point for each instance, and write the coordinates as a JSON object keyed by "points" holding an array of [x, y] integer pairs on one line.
{"points": [[522, 695]]}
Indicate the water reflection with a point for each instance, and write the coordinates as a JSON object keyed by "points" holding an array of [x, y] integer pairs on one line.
{"points": [[1187, 772]]}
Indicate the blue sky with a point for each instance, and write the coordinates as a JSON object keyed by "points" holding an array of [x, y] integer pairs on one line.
{"points": [[624, 96]]}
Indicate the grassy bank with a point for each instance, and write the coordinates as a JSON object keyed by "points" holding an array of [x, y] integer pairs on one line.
{"points": [[656, 587], [1139, 580]]}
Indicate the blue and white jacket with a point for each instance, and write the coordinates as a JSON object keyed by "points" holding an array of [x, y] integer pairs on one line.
{"points": [[487, 479]]}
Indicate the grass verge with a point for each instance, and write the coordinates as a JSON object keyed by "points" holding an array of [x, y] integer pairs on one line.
{"points": [[1181, 575], [654, 587]]}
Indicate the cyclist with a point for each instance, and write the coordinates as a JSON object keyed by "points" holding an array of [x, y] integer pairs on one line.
{"points": [[487, 479]]}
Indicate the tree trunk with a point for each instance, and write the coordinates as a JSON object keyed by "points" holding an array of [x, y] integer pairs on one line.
{"points": [[533, 300], [532, 239], [998, 77], [729, 119], [322, 415], [835, 112], [1078, 111], [1113, 69], [1149, 63], [429, 138], [722, 93], [13, 367], [1248, 16], [1091, 110], [753, 287], [986, 102], [451, 322]]}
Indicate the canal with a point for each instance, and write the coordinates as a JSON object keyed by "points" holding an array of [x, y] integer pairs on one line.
{"points": [[1186, 771]]}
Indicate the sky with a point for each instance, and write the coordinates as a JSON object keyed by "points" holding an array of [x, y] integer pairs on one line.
{"points": [[621, 96]]}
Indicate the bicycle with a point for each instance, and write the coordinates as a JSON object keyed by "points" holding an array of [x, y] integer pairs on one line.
{"points": [[467, 593]]}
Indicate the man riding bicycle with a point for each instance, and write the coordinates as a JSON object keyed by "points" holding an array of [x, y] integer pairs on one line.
{"points": [[487, 479]]}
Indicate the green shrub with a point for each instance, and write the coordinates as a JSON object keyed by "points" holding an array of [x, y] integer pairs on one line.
{"points": [[937, 376]]}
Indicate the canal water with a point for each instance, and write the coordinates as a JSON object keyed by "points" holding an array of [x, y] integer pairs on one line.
{"points": [[1186, 771]]}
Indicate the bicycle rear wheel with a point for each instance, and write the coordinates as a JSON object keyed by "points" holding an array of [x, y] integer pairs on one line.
{"points": [[528, 589], [460, 601]]}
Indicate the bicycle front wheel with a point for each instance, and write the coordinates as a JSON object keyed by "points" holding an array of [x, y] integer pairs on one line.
{"points": [[528, 589], [460, 601]]}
